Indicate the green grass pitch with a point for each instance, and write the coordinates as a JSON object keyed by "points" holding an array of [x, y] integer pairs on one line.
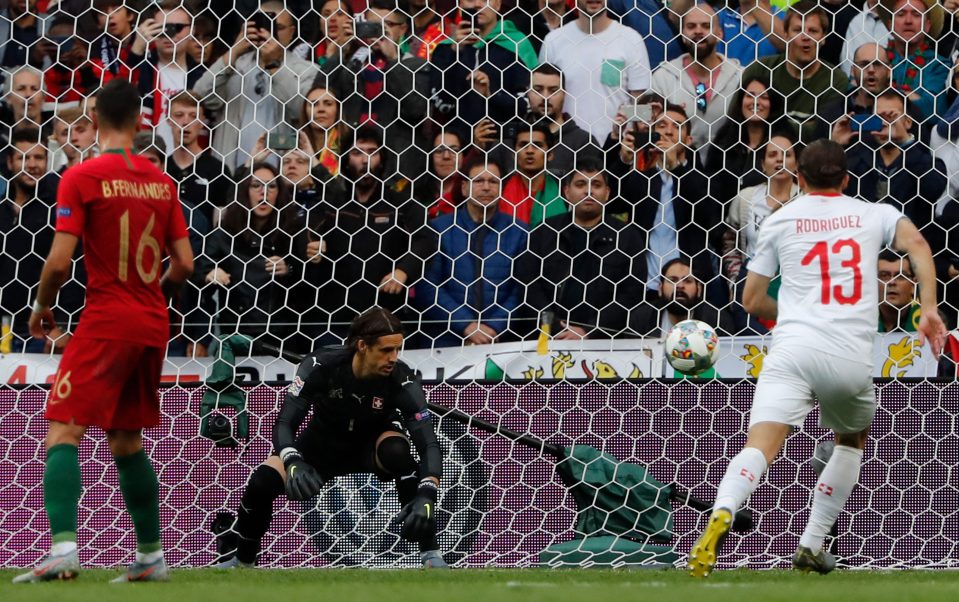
{"points": [[526, 585]]}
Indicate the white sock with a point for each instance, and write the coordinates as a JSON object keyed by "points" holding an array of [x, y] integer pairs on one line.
{"points": [[741, 479], [149, 557], [837, 481], [64, 547]]}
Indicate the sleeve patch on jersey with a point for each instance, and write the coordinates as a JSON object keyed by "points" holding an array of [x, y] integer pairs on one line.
{"points": [[422, 415], [64, 212], [296, 386]]}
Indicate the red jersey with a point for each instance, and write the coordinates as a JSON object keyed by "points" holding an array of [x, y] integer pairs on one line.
{"points": [[127, 212]]}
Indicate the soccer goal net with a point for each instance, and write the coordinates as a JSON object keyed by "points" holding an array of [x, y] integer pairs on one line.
{"points": [[539, 190]]}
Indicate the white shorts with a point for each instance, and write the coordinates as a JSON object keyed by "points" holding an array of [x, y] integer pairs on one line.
{"points": [[791, 376]]}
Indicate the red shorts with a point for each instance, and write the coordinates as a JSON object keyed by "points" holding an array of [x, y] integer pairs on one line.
{"points": [[110, 384]]}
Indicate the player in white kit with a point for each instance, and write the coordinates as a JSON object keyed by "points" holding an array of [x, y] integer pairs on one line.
{"points": [[826, 246]]}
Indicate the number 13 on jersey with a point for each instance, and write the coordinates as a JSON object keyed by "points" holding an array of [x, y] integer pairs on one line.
{"points": [[849, 255]]}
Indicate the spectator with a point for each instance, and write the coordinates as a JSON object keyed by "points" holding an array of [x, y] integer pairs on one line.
{"points": [[83, 133], [943, 143], [110, 53], [948, 43], [23, 96], [753, 31], [254, 260], [469, 291], [255, 86], [376, 241], [61, 153], [865, 28], [545, 100], [871, 76], [532, 194], [603, 62], [169, 69], [669, 198], [918, 71], [754, 204], [427, 29], [799, 75], [205, 45], [891, 166], [537, 18], [152, 147], [746, 214], [587, 267], [20, 29], [898, 310], [70, 78], [701, 80], [204, 182], [482, 69], [755, 111], [648, 19], [336, 30], [439, 189], [26, 227], [323, 127], [681, 297], [376, 84]]}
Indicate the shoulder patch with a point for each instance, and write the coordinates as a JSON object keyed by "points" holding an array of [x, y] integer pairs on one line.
{"points": [[422, 415], [64, 212], [296, 386]]}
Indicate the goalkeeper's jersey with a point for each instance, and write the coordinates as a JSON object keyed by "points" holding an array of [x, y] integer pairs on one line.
{"points": [[346, 408]]}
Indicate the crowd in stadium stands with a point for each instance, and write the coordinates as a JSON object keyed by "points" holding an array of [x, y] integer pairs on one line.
{"points": [[479, 166]]}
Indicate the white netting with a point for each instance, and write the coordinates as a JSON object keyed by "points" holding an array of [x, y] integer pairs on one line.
{"points": [[340, 155]]}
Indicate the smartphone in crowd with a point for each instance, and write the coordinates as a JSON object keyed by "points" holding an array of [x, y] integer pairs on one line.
{"points": [[862, 122], [367, 30]]}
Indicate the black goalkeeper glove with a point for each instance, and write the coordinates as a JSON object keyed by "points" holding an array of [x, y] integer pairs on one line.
{"points": [[302, 480], [419, 516]]}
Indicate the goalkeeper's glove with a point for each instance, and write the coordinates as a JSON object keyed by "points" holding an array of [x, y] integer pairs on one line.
{"points": [[419, 516], [302, 480]]}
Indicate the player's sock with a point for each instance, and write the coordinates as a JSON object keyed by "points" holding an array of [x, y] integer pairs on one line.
{"points": [[838, 479], [141, 491], [256, 510], [741, 479], [61, 494]]}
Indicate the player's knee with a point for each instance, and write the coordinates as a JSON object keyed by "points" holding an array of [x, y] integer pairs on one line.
{"points": [[393, 456], [854, 440], [265, 484]]}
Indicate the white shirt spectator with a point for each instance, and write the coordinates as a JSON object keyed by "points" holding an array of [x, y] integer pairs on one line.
{"points": [[865, 28], [600, 71]]}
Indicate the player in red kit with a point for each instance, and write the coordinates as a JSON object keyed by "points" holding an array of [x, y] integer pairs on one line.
{"points": [[129, 217]]}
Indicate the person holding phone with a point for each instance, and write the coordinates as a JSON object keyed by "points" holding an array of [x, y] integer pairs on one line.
{"points": [[254, 84], [844, 119], [380, 85], [480, 71]]}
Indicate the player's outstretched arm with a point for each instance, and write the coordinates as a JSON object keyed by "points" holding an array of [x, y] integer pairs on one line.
{"points": [[909, 239], [756, 297], [56, 270], [181, 267]]}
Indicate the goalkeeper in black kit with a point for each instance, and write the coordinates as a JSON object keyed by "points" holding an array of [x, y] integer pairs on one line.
{"points": [[361, 395]]}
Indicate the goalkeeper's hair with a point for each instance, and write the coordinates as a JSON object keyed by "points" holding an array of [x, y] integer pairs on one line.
{"points": [[372, 324]]}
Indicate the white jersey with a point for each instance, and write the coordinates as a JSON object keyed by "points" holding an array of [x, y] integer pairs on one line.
{"points": [[826, 247]]}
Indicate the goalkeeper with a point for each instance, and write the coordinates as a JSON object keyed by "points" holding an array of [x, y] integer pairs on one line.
{"points": [[355, 393]]}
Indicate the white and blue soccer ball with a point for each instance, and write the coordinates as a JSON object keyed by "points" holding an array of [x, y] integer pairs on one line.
{"points": [[692, 347]]}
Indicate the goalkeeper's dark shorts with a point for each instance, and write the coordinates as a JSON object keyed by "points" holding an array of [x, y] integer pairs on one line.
{"points": [[340, 454]]}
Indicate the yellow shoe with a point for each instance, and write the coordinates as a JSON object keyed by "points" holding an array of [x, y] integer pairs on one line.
{"points": [[702, 558]]}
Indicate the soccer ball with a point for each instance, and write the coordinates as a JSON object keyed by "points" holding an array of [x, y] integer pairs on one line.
{"points": [[692, 347]]}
